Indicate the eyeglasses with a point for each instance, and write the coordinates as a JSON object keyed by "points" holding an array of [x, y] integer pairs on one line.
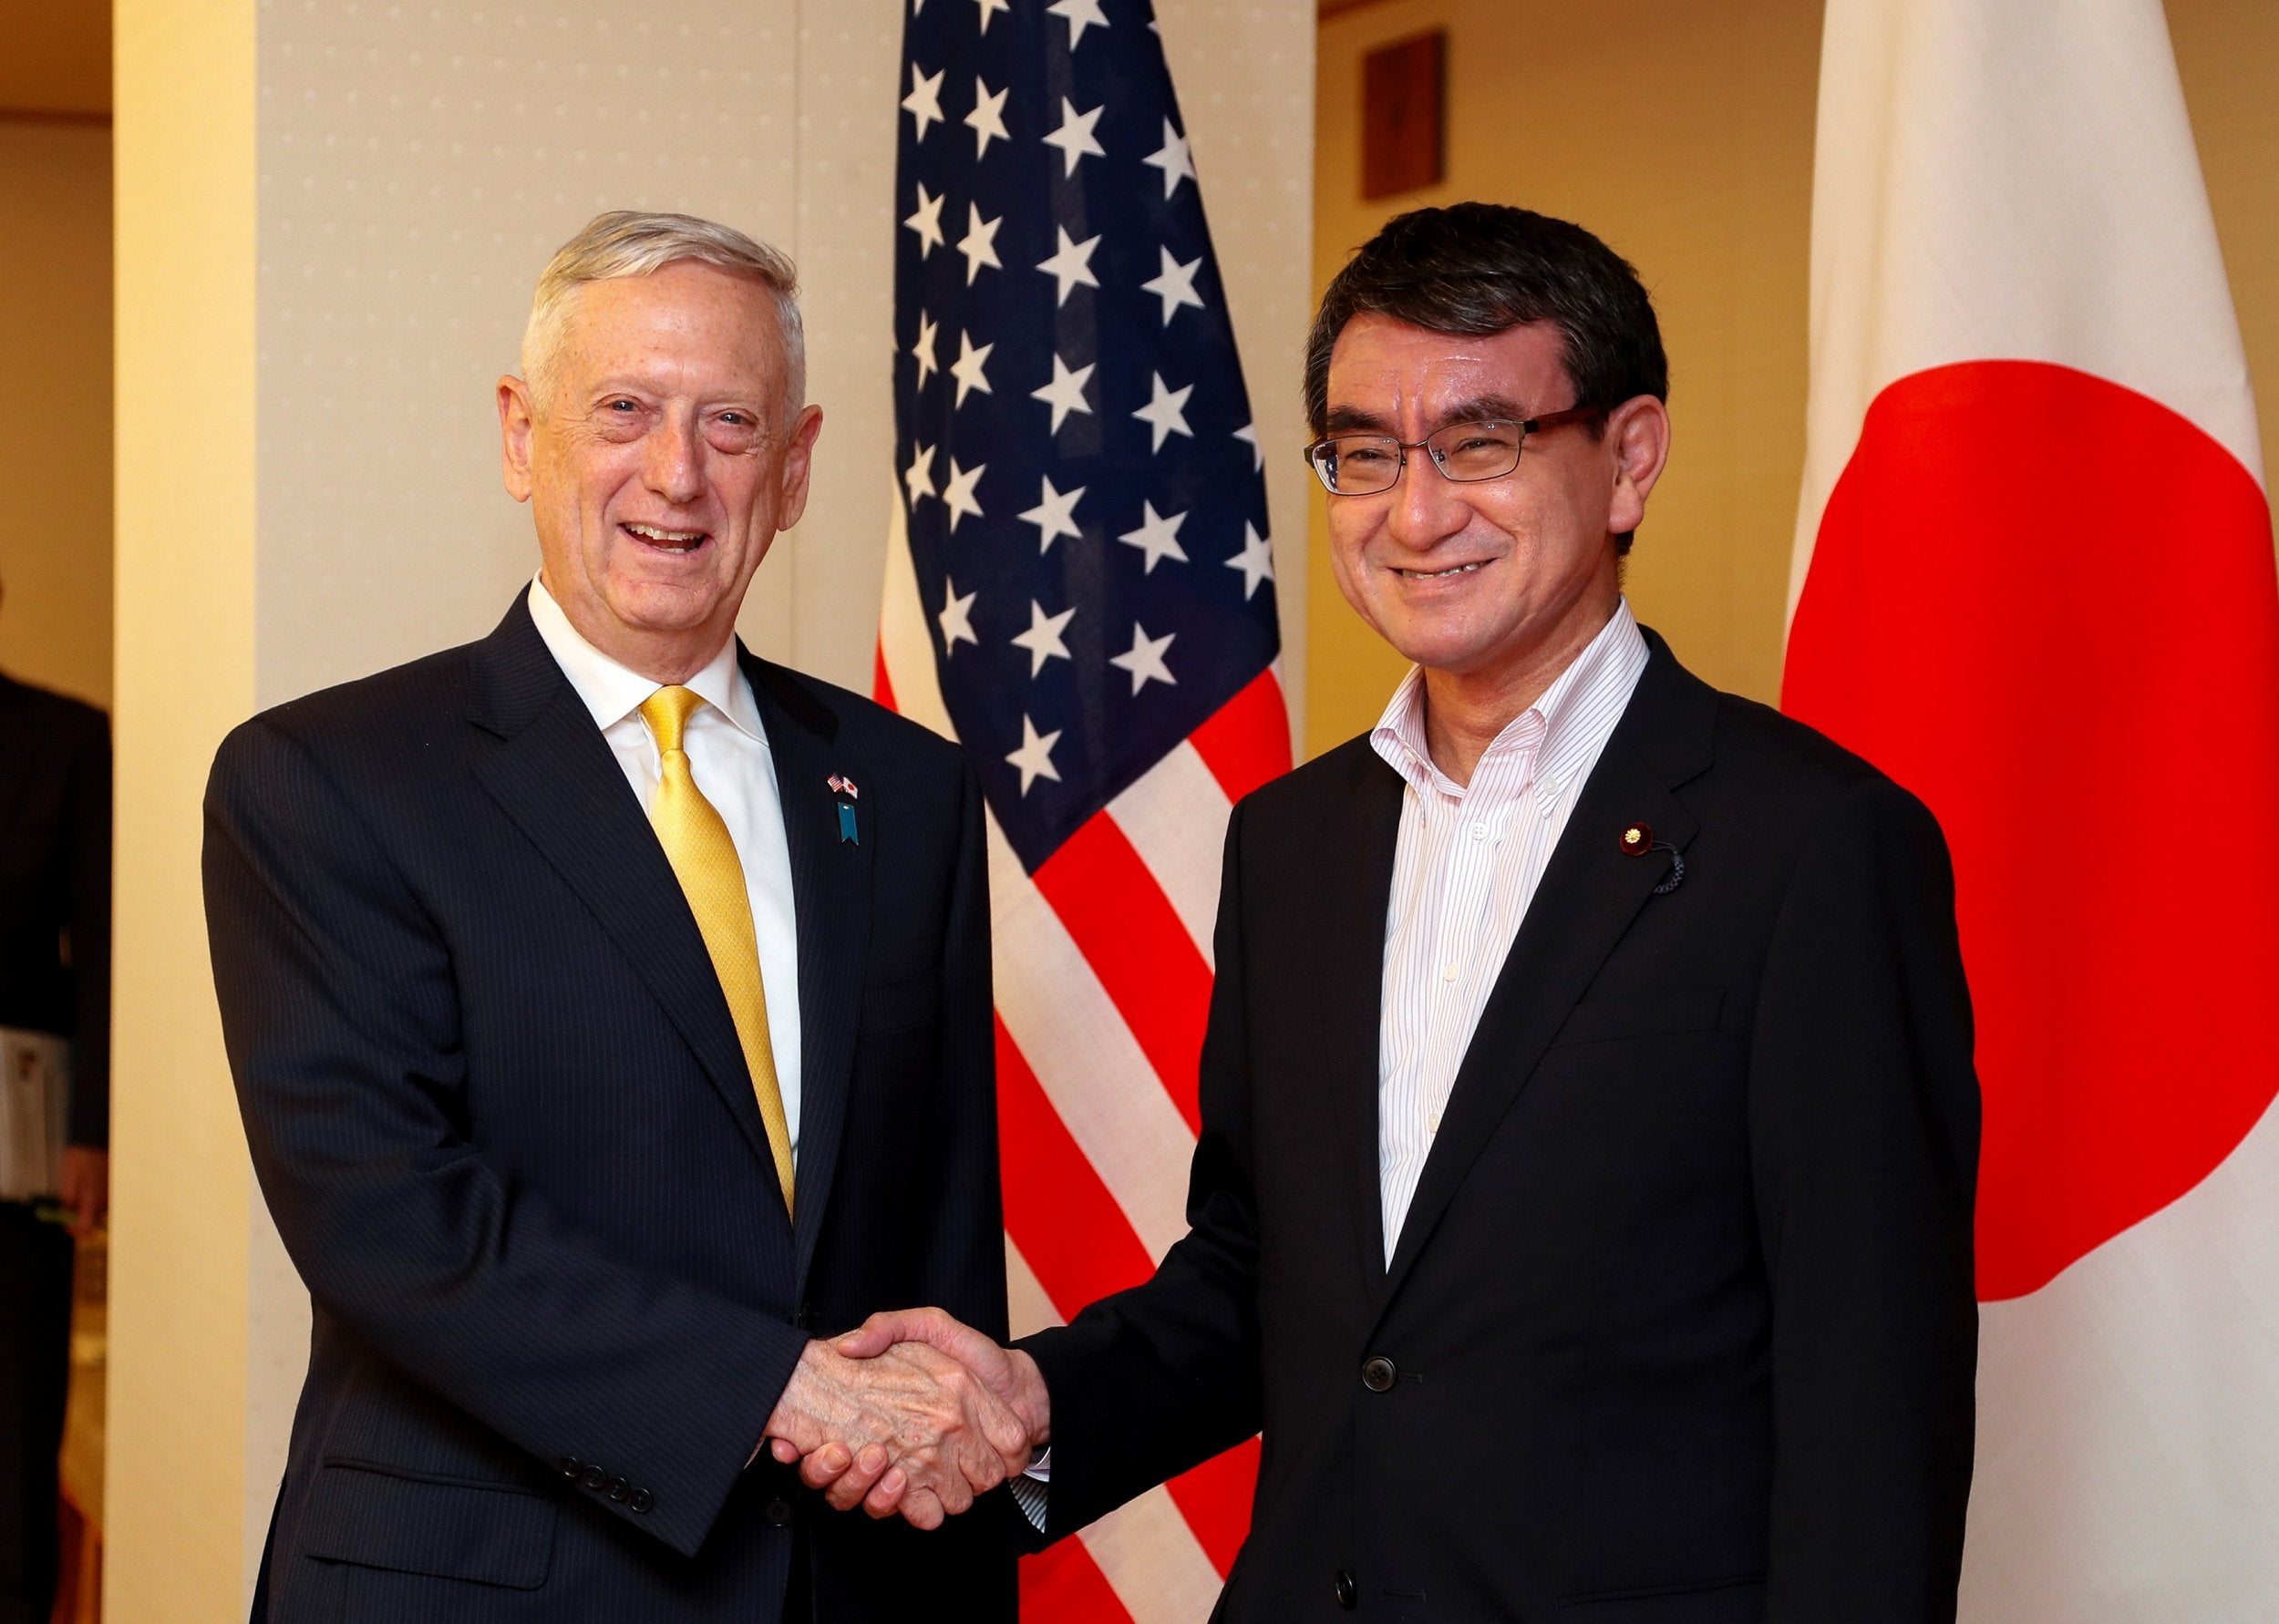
{"points": [[1367, 463]]}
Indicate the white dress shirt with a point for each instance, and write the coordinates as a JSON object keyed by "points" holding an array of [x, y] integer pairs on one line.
{"points": [[1465, 868], [728, 755]]}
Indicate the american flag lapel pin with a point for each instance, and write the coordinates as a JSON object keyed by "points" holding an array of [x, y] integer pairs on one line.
{"points": [[844, 788]]}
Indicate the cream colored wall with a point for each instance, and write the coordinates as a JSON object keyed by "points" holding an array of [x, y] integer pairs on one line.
{"points": [[176, 1491], [2227, 53], [1681, 131], [313, 303], [56, 373]]}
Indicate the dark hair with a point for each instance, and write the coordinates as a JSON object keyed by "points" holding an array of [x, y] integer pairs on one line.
{"points": [[1480, 268]]}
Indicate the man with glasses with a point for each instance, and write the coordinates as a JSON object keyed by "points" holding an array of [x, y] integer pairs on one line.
{"points": [[1582, 1205]]}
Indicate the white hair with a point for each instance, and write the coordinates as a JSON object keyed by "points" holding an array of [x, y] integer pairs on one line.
{"points": [[626, 242]]}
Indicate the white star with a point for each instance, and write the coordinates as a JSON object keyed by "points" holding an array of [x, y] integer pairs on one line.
{"points": [[1144, 659], [919, 476], [988, 7], [1249, 432], [958, 492], [979, 244], [1156, 536], [927, 222], [1054, 517], [1175, 284], [924, 101], [927, 349], [1071, 264], [1079, 13], [1074, 137], [1256, 560], [1065, 394], [967, 368], [1166, 413], [1173, 157], [956, 618], [1042, 639], [987, 119], [1035, 757]]}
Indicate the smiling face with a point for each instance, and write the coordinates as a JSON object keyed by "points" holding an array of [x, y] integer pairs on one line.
{"points": [[1494, 584], [657, 461]]}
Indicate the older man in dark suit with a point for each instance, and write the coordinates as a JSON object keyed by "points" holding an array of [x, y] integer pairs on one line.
{"points": [[1582, 1204], [610, 1014]]}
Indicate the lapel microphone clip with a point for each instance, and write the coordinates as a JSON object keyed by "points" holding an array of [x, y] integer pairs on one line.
{"points": [[1638, 841]]}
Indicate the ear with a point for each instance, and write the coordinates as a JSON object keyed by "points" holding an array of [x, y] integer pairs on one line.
{"points": [[516, 417], [1638, 435], [798, 461]]}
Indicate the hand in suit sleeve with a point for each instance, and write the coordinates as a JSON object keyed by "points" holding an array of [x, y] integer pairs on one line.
{"points": [[1152, 1381], [341, 1018], [964, 1243], [1864, 1129]]}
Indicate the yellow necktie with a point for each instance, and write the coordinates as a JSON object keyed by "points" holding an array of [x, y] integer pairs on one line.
{"points": [[696, 843]]}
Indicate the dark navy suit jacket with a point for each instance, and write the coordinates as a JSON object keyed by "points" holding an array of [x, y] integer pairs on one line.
{"points": [[497, 1105], [1680, 1326]]}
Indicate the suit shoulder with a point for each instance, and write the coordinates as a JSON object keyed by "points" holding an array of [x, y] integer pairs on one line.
{"points": [[54, 713], [407, 699], [1801, 764], [862, 722], [1305, 791]]}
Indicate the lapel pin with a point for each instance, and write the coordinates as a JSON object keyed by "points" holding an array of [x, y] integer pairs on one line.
{"points": [[1637, 839], [844, 788]]}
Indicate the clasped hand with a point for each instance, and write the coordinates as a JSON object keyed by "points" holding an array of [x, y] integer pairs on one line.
{"points": [[914, 1412]]}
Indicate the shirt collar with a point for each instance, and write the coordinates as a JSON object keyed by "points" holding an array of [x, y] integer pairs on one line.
{"points": [[1556, 726], [611, 692]]}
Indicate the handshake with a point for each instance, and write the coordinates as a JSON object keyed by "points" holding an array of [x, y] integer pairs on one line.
{"points": [[914, 1412]]}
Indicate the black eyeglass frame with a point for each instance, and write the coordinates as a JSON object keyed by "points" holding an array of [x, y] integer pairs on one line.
{"points": [[1526, 425]]}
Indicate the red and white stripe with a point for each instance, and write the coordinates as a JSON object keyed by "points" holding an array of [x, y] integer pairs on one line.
{"points": [[1103, 969]]}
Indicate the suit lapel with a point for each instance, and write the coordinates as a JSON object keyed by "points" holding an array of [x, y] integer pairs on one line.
{"points": [[1356, 862], [830, 891], [554, 777], [1589, 893]]}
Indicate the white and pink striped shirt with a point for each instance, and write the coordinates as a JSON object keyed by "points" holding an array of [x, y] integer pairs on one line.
{"points": [[1467, 865]]}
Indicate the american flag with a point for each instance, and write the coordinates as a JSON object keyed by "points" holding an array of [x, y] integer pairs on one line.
{"points": [[1079, 588]]}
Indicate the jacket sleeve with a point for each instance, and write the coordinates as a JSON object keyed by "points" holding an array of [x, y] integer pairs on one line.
{"points": [[1155, 1380], [341, 1017], [90, 821], [1864, 1117], [964, 1238]]}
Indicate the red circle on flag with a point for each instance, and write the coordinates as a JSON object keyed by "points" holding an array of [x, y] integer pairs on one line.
{"points": [[2046, 604]]}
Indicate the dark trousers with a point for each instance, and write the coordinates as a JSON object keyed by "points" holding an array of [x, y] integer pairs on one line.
{"points": [[34, 1368]]}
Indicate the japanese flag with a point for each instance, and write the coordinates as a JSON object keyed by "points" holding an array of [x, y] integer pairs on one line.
{"points": [[2033, 582]]}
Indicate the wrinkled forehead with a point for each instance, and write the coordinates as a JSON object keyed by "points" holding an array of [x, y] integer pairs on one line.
{"points": [[1389, 374]]}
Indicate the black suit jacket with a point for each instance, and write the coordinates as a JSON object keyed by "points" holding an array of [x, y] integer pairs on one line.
{"points": [[1680, 1326], [56, 887], [496, 1101]]}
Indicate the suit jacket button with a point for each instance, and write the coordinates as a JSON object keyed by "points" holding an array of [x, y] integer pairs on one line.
{"points": [[620, 1490], [571, 1466], [1348, 1593], [595, 1478], [1377, 1374], [778, 1512], [641, 1501]]}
